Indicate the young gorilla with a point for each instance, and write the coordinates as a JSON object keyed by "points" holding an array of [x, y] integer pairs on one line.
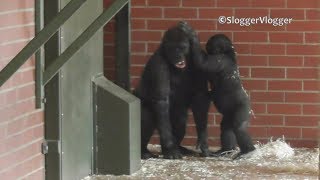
{"points": [[169, 86], [228, 94]]}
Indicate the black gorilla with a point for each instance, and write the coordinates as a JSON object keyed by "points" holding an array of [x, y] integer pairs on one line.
{"points": [[228, 94], [169, 86]]}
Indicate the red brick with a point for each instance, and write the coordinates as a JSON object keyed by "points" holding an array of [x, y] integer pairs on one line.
{"points": [[37, 175], [312, 38], [109, 51], [146, 36], [232, 27], [244, 72], [313, 14], [311, 109], [295, 14], [270, 3], [16, 18], [257, 131], [310, 133], [138, 24], [163, 3], [180, 13], [10, 97], [285, 37], [285, 61], [214, 13], [268, 72], [285, 85], [302, 97], [267, 120], [302, 73], [16, 126], [146, 12], [107, 3], [252, 60], [304, 26], [153, 24], [38, 132], [198, 3], [213, 131], [284, 109], [26, 92], [250, 37], [260, 108], [287, 132], [265, 49], [138, 59], [302, 121], [311, 85], [109, 62], [110, 27], [152, 47], [303, 4], [109, 38], [303, 49], [136, 70], [138, 47], [134, 82], [138, 3], [267, 27], [242, 48], [207, 25], [7, 5], [233, 4], [311, 61], [251, 84], [12, 34], [267, 96], [303, 143], [11, 50], [252, 13], [217, 119]]}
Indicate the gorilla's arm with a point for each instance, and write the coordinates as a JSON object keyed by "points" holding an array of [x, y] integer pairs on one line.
{"points": [[203, 61], [161, 91]]}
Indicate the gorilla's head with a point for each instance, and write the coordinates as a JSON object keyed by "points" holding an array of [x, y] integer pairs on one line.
{"points": [[219, 44], [175, 46]]}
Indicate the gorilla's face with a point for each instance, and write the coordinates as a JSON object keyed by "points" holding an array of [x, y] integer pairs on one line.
{"points": [[219, 44], [176, 47]]}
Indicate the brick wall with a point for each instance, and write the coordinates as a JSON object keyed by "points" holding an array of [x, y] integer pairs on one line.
{"points": [[278, 64], [21, 125], [109, 46]]}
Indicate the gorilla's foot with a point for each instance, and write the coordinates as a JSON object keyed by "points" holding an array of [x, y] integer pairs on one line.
{"points": [[221, 152], [240, 154], [172, 154], [187, 152], [148, 155], [206, 153]]}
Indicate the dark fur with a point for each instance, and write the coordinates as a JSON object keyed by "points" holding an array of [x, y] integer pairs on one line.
{"points": [[166, 93], [228, 94]]}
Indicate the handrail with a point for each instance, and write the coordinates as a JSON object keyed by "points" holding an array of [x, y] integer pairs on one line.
{"points": [[42, 37], [104, 18]]}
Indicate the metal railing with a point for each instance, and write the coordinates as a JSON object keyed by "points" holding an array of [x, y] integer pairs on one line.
{"points": [[48, 31]]}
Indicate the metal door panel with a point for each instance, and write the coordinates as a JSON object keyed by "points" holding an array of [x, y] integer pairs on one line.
{"points": [[76, 92]]}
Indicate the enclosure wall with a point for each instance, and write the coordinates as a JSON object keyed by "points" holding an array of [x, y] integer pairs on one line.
{"points": [[278, 64], [21, 125]]}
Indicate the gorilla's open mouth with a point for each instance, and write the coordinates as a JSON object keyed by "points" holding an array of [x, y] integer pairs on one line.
{"points": [[181, 64]]}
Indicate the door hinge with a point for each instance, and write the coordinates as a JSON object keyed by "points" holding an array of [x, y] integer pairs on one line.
{"points": [[44, 147], [50, 146]]}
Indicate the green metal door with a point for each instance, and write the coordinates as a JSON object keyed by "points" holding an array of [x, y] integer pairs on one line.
{"points": [[69, 106], [76, 92]]}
